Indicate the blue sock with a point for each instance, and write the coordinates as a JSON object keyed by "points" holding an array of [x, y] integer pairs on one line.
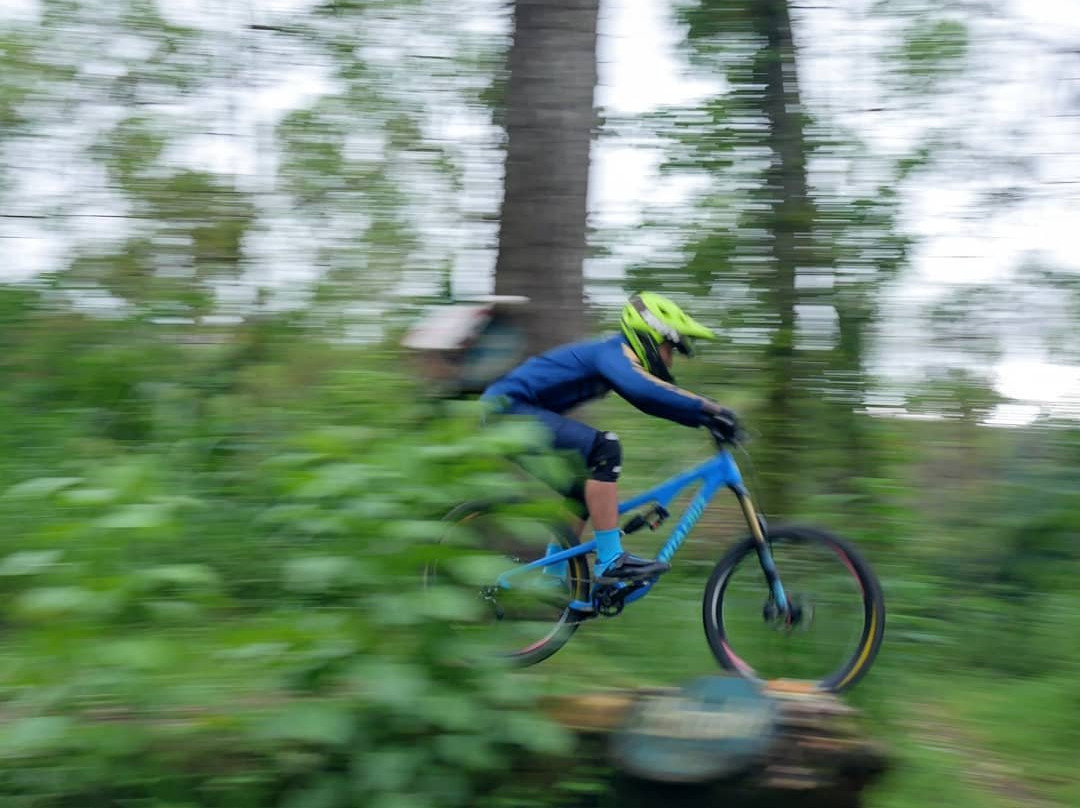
{"points": [[608, 547]]}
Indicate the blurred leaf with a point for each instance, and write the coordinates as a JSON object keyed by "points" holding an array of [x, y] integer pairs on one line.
{"points": [[414, 530], [402, 800], [537, 734], [932, 48], [319, 574], [327, 793], [394, 685], [262, 650], [30, 562], [174, 611], [472, 752], [42, 486], [184, 576], [139, 654], [336, 479], [392, 770], [58, 602], [314, 723], [89, 496], [452, 713], [139, 516], [443, 603], [28, 737]]}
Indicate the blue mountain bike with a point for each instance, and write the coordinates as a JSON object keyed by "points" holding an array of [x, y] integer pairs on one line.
{"points": [[784, 602]]}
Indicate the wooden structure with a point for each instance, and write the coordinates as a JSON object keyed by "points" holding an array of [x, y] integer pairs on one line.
{"points": [[817, 757]]}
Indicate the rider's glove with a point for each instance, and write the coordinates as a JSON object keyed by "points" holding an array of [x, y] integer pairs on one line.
{"points": [[723, 422]]}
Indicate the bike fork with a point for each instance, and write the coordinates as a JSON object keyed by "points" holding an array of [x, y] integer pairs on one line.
{"points": [[756, 523]]}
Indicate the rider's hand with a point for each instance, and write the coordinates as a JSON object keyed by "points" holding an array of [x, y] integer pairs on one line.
{"points": [[722, 422]]}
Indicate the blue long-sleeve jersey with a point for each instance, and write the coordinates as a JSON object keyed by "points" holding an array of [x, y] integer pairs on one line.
{"points": [[572, 374]]}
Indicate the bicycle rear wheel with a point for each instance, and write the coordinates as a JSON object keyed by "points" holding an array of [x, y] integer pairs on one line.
{"points": [[524, 616], [839, 617]]}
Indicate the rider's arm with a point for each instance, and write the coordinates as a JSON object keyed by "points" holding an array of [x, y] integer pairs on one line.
{"points": [[622, 370]]}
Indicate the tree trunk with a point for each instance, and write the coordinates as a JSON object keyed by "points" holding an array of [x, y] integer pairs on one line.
{"points": [[790, 223], [549, 122]]}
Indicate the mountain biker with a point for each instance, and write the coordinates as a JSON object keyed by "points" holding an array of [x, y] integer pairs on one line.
{"points": [[635, 364]]}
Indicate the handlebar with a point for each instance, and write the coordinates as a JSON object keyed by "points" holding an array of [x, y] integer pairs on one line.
{"points": [[733, 436]]}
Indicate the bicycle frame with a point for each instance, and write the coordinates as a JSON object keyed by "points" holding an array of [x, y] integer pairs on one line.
{"points": [[714, 473]]}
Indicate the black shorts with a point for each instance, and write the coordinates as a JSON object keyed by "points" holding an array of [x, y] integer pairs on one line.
{"points": [[598, 450]]}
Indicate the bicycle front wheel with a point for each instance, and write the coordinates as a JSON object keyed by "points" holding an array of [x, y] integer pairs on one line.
{"points": [[838, 617], [523, 616]]}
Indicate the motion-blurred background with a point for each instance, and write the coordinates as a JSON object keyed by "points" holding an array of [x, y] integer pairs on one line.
{"points": [[218, 220]]}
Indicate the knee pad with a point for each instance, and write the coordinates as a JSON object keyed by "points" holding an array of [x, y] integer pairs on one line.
{"points": [[605, 458]]}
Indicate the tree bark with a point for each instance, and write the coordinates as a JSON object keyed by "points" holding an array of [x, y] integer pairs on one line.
{"points": [[549, 124], [790, 223]]}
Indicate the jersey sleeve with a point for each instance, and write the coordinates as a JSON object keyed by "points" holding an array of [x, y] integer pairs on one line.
{"points": [[622, 370]]}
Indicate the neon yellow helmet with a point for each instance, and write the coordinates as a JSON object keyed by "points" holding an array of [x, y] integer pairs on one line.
{"points": [[649, 319]]}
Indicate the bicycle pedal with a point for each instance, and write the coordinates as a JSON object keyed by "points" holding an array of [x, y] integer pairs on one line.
{"points": [[609, 602], [610, 598]]}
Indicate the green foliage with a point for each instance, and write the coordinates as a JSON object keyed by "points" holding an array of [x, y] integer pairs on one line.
{"points": [[213, 530], [934, 48], [16, 62], [225, 607], [718, 20]]}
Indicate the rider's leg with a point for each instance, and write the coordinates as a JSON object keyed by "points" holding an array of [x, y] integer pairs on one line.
{"points": [[604, 461], [602, 454], [602, 500], [603, 458]]}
